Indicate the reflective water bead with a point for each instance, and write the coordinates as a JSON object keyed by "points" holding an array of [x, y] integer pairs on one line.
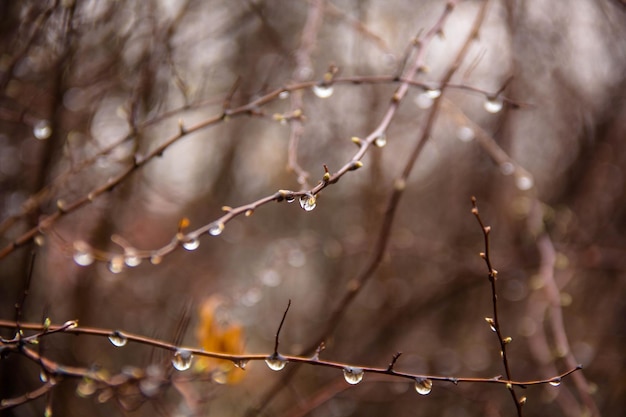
{"points": [[381, 140], [290, 198], [132, 260], [182, 360], [433, 93], [465, 134], [118, 339], [507, 168], [275, 362], [156, 259], [83, 257], [555, 382], [423, 386], [424, 101], [241, 363], [192, 244], [86, 388], [116, 264], [283, 95], [493, 105], [353, 375], [323, 91], [42, 130], [524, 182], [308, 202], [216, 229]]}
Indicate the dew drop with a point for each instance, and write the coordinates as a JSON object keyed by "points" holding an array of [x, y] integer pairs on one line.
{"points": [[132, 260], [381, 140], [86, 388], [323, 91], [118, 339], [555, 382], [182, 360], [465, 134], [507, 168], [241, 363], [353, 375], [424, 101], [524, 182], [82, 254], [216, 229], [283, 95], [43, 376], [433, 93], [423, 386], [493, 105], [116, 264], [42, 130], [290, 198], [308, 202], [275, 362], [192, 244]]}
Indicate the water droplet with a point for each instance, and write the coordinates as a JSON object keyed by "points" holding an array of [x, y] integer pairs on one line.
{"points": [[118, 339], [465, 134], [275, 362], [82, 254], [156, 259], [42, 130], [323, 91], [290, 198], [424, 101], [494, 105], [283, 95], [507, 168], [308, 202], [381, 140], [132, 260], [241, 363], [182, 360], [216, 229], [271, 278], [86, 388], [423, 386], [555, 382], [492, 323], [70, 324], [116, 264], [353, 375], [43, 376], [433, 93], [524, 182], [192, 244]]}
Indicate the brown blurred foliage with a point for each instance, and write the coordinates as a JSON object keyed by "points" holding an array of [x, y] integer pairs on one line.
{"points": [[79, 77]]}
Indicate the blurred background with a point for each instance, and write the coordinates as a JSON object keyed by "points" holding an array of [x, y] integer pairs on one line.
{"points": [[87, 85]]}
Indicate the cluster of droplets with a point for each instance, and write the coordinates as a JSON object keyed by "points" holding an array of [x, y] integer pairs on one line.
{"points": [[275, 362], [353, 375], [423, 386], [322, 91], [182, 360], [308, 202]]}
